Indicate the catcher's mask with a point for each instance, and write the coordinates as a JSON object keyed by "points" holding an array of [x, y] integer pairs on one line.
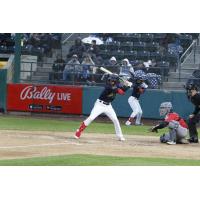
{"points": [[165, 108]]}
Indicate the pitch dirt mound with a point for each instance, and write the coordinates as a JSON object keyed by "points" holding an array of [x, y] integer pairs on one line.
{"points": [[27, 144]]}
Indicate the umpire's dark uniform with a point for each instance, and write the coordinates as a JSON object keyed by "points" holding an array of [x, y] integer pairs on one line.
{"points": [[194, 120]]}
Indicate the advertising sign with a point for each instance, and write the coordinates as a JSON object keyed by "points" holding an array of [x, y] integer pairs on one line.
{"points": [[44, 98]]}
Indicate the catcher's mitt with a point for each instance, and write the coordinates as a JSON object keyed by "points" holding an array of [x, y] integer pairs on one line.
{"points": [[153, 129]]}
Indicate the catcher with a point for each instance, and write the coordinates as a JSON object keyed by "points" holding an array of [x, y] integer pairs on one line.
{"points": [[178, 129]]}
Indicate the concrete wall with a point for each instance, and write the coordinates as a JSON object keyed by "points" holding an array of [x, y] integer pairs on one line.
{"points": [[150, 102]]}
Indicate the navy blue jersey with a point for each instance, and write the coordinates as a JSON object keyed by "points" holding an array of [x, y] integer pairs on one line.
{"points": [[109, 92], [136, 92]]}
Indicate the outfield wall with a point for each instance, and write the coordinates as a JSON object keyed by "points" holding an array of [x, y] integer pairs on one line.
{"points": [[3, 89], [36, 98], [150, 102]]}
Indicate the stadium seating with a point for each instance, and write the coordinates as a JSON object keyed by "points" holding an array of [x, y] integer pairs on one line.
{"points": [[152, 46], [139, 46], [143, 55], [44, 44], [126, 46], [131, 55], [147, 37], [185, 40], [159, 37]]}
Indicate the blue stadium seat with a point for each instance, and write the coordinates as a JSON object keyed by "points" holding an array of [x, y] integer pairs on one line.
{"points": [[185, 40], [102, 47], [134, 37], [131, 55], [126, 46], [139, 46], [113, 46], [119, 54], [121, 38], [158, 37], [164, 68], [3, 49], [143, 55], [172, 58], [152, 46], [156, 55], [146, 37], [105, 54]]}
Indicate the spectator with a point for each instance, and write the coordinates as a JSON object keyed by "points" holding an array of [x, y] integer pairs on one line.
{"points": [[109, 40], [126, 68], [87, 65], [99, 61], [112, 61], [113, 64], [153, 80], [57, 68], [93, 50], [78, 48], [147, 65], [175, 48], [72, 68]]}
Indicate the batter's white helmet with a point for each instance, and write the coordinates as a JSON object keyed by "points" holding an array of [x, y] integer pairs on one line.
{"points": [[165, 108]]}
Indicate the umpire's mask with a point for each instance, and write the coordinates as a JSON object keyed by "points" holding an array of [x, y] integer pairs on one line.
{"points": [[165, 108], [189, 89]]}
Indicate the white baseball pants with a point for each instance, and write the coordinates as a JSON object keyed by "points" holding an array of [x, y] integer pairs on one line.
{"points": [[135, 106], [108, 110]]}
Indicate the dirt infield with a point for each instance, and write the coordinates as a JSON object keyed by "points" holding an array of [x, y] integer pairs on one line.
{"points": [[26, 144]]}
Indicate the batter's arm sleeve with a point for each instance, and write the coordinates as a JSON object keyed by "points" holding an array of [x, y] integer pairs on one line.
{"points": [[120, 91], [125, 88]]}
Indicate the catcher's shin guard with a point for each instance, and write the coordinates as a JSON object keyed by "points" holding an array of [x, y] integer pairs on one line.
{"points": [[80, 130]]}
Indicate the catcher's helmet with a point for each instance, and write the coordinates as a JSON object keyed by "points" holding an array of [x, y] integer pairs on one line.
{"points": [[165, 108], [143, 85]]}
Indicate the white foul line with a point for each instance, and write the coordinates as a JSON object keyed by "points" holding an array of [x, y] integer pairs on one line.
{"points": [[39, 145]]}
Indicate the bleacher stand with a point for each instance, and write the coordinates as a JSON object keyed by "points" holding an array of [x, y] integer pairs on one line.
{"points": [[32, 43], [163, 50], [57, 70]]}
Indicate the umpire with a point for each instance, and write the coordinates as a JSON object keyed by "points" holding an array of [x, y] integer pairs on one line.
{"points": [[194, 118]]}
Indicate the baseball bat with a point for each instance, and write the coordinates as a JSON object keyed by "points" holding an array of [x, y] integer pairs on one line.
{"points": [[109, 72], [105, 70]]}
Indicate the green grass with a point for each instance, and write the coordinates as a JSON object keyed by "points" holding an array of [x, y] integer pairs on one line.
{"points": [[91, 160], [34, 124]]}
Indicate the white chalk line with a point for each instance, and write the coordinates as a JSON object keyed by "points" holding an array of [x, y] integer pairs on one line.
{"points": [[39, 145]]}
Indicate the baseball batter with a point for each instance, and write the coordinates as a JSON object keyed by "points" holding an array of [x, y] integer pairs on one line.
{"points": [[178, 129], [103, 105], [138, 88]]}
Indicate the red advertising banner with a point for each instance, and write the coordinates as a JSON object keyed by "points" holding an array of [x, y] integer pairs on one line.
{"points": [[44, 98]]}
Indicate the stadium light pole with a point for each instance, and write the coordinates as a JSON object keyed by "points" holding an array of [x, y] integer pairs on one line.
{"points": [[17, 61]]}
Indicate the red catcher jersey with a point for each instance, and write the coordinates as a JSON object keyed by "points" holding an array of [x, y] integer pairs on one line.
{"points": [[174, 116]]}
